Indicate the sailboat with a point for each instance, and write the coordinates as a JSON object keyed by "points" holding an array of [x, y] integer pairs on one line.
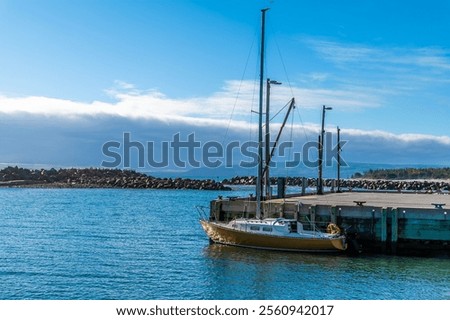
{"points": [[262, 232]]}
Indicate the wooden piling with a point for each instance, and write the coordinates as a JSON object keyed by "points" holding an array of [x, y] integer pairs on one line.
{"points": [[304, 185], [312, 214], [383, 229], [394, 230], [333, 214]]}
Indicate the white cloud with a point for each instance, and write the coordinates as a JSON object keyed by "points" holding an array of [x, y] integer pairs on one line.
{"points": [[402, 138], [237, 98], [383, 76], [77, 141], [372, 57], [343, 53], [318, 76], [152, 114]]}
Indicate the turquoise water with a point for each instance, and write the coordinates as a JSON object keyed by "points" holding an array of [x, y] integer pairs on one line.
{"points": [[148, 244]]}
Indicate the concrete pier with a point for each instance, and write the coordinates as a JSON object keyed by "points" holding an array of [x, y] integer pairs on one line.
{"points": [[416, 223]]}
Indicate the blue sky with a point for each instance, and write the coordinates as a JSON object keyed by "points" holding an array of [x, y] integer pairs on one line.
{"points": [[76, 74]]}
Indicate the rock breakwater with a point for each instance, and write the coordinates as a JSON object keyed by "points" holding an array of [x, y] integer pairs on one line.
{"points": [[98, 178], [349, 184]]}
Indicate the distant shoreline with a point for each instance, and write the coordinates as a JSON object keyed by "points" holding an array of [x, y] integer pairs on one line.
{"points": [[98, 178], [128, 179], [406, 174]]}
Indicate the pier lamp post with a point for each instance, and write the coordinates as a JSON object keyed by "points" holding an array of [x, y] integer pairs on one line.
{"points": [[338, 159], [321, 140], [267, 139]]}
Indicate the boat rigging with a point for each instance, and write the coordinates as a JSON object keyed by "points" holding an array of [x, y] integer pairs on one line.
{"points": [[262, 226]]}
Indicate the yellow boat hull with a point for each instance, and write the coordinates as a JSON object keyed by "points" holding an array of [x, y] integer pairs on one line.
{"points": [[223, 235]]}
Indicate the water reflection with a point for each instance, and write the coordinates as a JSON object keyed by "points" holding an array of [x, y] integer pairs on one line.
{"points": [[238, 273]]}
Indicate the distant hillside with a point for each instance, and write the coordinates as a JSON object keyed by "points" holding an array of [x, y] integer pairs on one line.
{"points": [[405, 174]]}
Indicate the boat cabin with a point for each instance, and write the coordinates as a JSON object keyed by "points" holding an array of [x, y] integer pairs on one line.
{"points": [[278, 226]]}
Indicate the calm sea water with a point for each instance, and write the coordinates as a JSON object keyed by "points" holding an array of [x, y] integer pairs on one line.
{"points": [[148, 244]]}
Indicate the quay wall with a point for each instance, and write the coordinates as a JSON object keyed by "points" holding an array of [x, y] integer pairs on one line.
{"points": [[386, 229]]}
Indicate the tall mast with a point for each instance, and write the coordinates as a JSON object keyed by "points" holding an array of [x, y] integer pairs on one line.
{"points": [[267, 157], [321, 144], [266, 168], [338, 159], [259, 184]]}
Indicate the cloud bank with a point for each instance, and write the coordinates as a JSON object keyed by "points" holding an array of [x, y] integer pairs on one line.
{"points": [[49, 131], [61, 132]]}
